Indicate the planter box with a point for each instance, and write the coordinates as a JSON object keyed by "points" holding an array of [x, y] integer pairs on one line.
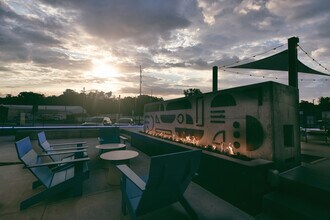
{"points": [[259, 121], [242, 183]]}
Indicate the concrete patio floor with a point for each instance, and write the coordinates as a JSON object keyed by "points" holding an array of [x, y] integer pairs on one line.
{"points": [[99, 200]]}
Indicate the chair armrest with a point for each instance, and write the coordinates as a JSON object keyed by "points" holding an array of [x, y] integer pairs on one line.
{"points": [[126, 171], [57, 163], [123, 138], [62, 152], [68, 148], [72, 143]]}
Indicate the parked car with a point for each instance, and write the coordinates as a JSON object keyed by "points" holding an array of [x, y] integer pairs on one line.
{"points": [[124, 122], [94, 121]]}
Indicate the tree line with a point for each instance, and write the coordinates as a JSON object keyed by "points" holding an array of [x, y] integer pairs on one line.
{"points": [[98, 102], [94, 102], [310, 107]]}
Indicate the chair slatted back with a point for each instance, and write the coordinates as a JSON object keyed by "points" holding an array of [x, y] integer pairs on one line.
{"points": [[169, 177], [109, 135], [28, 156], [42, 137], [45, 145], [43, 141]]}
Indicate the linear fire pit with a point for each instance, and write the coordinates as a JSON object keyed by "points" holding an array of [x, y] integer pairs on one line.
{"points": [[240, 182], [259, 121]]}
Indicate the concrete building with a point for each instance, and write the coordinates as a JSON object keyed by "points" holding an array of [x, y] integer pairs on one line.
{"points": [[22, 113]]}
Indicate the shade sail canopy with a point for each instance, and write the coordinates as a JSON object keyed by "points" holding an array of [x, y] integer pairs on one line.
{"points": [[279, 62]]}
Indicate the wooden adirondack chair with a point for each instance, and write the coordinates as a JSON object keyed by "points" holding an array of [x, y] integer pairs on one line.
{"points": [[54, 181], [169, 177]]}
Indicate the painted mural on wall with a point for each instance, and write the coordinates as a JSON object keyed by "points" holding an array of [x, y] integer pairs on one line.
{"points": [[237, 120]]}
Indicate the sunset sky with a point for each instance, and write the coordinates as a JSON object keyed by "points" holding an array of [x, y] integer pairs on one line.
{"points": [[49, 46]]}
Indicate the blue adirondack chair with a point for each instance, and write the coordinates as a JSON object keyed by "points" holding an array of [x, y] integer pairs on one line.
{"points": [[49, 148], [169, 177], [53, 181], [109, 135]]}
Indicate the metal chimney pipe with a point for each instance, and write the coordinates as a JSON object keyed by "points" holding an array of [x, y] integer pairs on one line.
{"points": [[215, 79]]}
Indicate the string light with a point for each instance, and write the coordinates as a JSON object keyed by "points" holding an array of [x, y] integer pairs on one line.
{"points": [[315, 61], [314, 80], [226, 66], [253, 75], [259, 54], [276, 78]]}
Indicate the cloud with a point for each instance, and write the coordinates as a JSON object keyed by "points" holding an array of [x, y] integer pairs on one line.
{"points": [[176, 41], [246, 6], [141, 21], [298, 10], [324, 27], [4, 69], [164, 91], [22, 36]]}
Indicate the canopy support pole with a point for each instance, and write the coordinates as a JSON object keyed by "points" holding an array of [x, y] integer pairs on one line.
{"points": [[293, 61], [215, 79]]}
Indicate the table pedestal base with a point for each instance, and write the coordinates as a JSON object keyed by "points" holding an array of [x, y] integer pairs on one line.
{"points": [[115, 158], [113, 177]]}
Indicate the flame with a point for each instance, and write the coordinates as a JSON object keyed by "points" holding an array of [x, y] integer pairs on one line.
{"points": [[222, 147]]}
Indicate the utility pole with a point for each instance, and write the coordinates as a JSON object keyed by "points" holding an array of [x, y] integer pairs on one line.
{"points": [[140, 89], [140, 80], [118, 108], [84, 111]]}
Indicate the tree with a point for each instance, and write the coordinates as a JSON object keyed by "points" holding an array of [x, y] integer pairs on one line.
{"points": [[142, 100], [30, 98], [69, 97], [95, 102], [108, 94], [324, 103], [306, 107], [191, 92]]}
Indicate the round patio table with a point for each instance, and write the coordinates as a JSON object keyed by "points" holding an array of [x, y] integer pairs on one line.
{"points": [[115, 158], [110, 147]]}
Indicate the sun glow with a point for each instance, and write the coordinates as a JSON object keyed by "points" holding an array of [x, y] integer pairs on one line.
{"points": [[102, 68]]}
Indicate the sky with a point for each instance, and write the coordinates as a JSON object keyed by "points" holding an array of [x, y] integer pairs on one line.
{"points": [[48, 46]]}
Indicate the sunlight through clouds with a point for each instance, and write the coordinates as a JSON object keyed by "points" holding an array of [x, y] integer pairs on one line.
{"points": [[100, 45], [102, 68]]}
